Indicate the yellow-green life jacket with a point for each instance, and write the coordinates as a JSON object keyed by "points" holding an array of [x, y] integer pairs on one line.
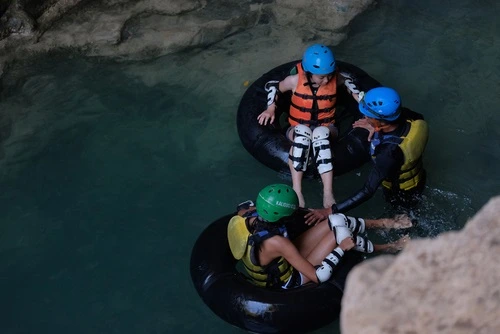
{"points": [[412, 143], [244, 246]]}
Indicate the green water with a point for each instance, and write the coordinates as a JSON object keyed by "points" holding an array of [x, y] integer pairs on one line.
{"points": [[116, 168]]}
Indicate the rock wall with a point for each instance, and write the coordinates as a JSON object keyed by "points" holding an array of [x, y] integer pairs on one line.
{"points": [[449, 284], [142, 29]]}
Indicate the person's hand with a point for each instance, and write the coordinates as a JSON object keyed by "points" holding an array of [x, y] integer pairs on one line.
{"points": [[267, 116], [363, 123], [317, 215], [347, 244]]}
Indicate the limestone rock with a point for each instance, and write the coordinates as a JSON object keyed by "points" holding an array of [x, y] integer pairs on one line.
{"points": [[16, 21], [449, 284], [320, 19], [143, 29]]}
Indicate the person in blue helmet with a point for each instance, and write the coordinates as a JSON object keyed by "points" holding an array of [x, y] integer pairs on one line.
{"points": [[311, 116], [398, 137]]}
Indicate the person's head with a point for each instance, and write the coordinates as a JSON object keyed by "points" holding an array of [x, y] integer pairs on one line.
{"points": [[381, 106], [276, 201], [319, 63]]}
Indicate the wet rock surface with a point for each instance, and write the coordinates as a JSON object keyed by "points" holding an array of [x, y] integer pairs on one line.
{"points": [[444, 285], [145, 29]]}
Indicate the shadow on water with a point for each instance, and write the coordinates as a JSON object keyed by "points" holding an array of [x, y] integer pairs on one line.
{"points": [[112, 170]]}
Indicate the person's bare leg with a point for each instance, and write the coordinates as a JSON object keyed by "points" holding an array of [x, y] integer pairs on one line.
{"points": [[308, 240], [393, 247], [399, 221], [321, 249], [328, 198], [297, 183]]}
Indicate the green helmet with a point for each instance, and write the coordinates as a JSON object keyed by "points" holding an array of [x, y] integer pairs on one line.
{"points": [[276, 201]]}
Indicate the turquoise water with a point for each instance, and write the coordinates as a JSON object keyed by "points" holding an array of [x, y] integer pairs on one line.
{"points": [[115, 168]]}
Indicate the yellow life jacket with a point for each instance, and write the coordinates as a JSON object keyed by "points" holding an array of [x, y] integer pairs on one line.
{"points": [[244, 246], [413, 145]]}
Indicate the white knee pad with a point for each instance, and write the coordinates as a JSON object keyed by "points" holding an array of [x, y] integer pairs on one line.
{"points": [[355, 225], [300, 147], [338, 225], [322, 150], [363, 245]]}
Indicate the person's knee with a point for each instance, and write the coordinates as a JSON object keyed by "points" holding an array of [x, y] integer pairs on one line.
{"points": [[322, 150], [300, 148]]}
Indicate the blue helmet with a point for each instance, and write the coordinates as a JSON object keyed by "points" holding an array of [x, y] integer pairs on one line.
{"points": [[318, 59], [381, 103]]}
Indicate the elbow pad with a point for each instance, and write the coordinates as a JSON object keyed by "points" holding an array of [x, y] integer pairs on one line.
{"points": [[272, 89], [325, 271], [351, 86]]}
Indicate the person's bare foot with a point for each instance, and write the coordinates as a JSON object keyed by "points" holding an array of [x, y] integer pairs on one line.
{"points": [[402, 221], [398, 245], [328, 200], [398, 222]]}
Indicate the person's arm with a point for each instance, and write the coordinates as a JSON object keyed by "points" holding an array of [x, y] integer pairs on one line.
{"points": [[285, 248], [281, 246], [273, 88], [387, 162], [363, 123], [346, 80]]}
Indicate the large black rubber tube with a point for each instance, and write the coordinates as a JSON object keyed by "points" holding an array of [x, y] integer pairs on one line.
{"points": [[269, 145], [226, 292]]}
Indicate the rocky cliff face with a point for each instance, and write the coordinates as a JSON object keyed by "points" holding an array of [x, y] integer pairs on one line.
{"points": [[142, 29], [449, 284]]}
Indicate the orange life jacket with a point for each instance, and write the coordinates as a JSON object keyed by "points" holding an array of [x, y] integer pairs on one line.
{"points": [[311, 108]]}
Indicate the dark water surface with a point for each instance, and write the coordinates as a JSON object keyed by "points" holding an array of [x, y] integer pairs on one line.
{"points": [[115, 169]]}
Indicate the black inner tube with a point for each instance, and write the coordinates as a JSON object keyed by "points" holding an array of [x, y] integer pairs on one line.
{"points": [[230, 296]]}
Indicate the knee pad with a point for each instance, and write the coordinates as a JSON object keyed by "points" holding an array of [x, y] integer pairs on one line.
{"points": [[355, 225], [338, 225], [322, 150], [363, 245], [300, 147]]}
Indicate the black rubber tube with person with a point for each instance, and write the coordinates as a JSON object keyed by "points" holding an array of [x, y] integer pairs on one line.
{"points": [[234, 299], [269, 145]]}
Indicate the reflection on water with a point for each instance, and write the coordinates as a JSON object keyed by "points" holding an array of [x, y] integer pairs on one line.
{"points": [[112, 170]]}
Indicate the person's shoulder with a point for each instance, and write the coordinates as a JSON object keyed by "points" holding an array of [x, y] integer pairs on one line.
{"points": [[290, 82], [278, 241]]}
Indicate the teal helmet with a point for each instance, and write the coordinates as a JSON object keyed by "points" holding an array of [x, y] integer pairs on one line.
{"points": [[381, 103], [276, 201], [318, 59]]}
